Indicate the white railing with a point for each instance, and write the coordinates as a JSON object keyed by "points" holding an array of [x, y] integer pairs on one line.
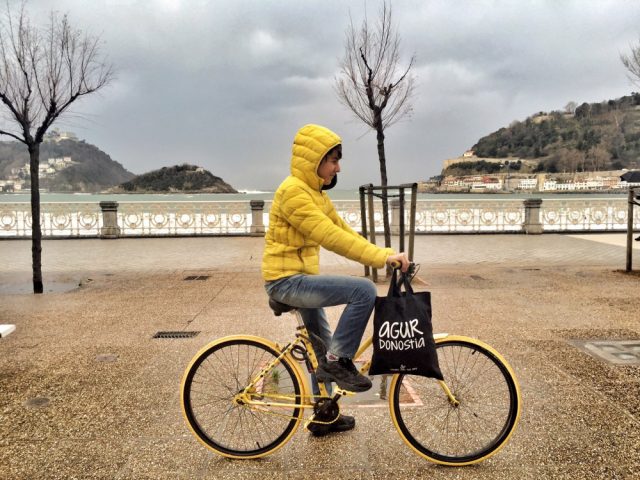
{"points": [[586, 215], [237, 218], [56, 219], [496, 216], [184, 218]]}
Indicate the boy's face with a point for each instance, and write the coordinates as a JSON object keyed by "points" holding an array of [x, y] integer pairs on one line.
{"points": [[330, 166]]}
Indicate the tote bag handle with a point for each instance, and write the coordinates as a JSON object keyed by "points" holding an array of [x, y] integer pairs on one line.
{"points": [[395, 285]]}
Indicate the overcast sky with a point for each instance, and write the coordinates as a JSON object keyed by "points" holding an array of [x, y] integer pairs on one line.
{"points": [[226, 84]]}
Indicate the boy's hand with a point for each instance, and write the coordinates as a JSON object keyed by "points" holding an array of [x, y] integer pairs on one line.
{"points": [[399, 259]]}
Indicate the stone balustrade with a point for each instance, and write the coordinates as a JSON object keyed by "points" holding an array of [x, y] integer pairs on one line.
{"points": [[198, 218]]}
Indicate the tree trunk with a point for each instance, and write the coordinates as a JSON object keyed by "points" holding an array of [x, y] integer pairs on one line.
{"points": [[383, 179], [36, 232]]}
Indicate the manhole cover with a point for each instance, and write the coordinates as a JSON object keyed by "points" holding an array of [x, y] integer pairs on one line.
{"points": [[617, 352], [181, 334]]}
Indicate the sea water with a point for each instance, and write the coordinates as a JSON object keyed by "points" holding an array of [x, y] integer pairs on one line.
{"points": [[47, 197]]}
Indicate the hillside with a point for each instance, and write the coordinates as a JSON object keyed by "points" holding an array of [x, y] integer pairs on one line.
{"points": [[179, 178], [89, 169], [589, 137]]}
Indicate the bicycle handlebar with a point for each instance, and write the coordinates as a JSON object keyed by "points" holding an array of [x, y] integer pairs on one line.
{"points": [[397, 265], [410, 271]]}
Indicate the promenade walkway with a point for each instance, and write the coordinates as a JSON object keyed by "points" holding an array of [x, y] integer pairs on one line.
{"points": [[86, 392]]}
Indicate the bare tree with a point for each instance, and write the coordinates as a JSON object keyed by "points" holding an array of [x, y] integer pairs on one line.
{"points": [[599, 157], [372, 85], [570, 107], [42, 72], [632, 63]]}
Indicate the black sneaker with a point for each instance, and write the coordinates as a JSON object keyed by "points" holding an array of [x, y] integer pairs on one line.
{"points": [[344, 373], [342, 424]]}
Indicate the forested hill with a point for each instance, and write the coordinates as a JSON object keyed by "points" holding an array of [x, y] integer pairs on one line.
{"points": [[179, 178], [591, 136], [89, 170]]}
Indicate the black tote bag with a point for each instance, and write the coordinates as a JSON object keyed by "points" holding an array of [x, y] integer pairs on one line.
{"points": [[403, 335]]}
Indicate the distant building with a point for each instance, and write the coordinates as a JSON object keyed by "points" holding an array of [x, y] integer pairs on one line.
{"points": [[10, 186], [543, 182], [60, 163], [568, 186], [430, 185], [527, 184], [489, 183], [57, 136]]}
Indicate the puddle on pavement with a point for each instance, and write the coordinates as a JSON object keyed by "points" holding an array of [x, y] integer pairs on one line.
{"points": [[26, 286]]}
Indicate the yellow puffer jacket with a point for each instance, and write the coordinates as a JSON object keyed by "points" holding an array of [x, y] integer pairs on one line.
{"points": [[302, 217]]}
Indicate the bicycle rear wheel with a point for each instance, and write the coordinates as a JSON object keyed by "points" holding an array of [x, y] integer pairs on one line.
{"points": [[486, 416], [223, 369]]}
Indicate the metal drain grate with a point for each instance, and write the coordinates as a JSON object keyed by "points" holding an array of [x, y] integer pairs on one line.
{"points": [[617, 352], [197, 277], [175, 334]]}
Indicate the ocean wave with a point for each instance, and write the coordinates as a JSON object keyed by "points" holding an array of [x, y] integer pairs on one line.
{"points": [[254, 192]]}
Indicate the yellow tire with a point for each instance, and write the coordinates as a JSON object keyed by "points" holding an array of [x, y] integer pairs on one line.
{"points": [[210, 385], [473, 424]]}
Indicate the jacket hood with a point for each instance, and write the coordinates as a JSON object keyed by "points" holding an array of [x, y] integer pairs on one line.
{"points": [[310, 145]]}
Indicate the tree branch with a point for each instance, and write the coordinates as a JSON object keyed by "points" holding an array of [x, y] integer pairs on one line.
{"points": [[9, 134], [368, 84]]}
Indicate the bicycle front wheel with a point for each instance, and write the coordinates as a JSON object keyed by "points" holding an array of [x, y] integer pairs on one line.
{"points": [[222, 370], [463, 433]]}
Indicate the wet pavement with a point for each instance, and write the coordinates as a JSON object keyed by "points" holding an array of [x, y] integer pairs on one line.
{"points": [[86, 392]]}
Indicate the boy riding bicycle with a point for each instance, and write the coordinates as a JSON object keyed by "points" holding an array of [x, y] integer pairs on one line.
{"points": [[301, 220]]}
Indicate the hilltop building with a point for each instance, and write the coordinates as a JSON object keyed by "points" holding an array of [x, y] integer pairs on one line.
{"points": [[57, 136]]}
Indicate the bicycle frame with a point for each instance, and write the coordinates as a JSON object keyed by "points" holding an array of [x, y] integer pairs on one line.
{"points": [[306, 401]]}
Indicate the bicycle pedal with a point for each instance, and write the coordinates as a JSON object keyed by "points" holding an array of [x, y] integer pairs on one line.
{"points": [[343, 393]]}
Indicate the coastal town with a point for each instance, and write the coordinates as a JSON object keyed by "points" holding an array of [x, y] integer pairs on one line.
{"points": [[18, 180], [507, 181]]}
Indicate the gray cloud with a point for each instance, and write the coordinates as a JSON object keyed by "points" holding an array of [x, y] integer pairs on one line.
{"points": [[225, 84]]}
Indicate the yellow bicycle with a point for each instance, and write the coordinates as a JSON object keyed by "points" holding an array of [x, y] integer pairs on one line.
{"points": [[245, 396]]}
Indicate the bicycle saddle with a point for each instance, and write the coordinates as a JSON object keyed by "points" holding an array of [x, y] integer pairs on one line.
{"points": [[279, 308]]}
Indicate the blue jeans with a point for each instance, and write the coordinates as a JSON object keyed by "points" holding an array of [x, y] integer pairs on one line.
{"points": [[309, 293]]}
